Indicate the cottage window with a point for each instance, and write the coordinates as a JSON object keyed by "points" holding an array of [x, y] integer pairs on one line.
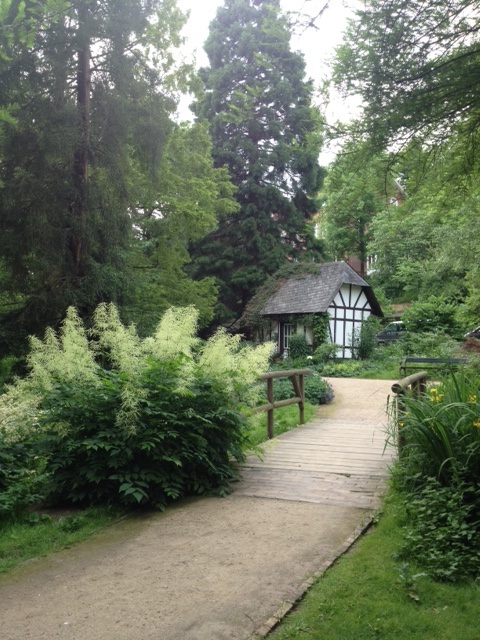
{"points": [[287, 332]]}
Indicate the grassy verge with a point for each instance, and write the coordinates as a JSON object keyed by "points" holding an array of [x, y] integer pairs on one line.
{"points": [[371, 594], [25, 540], [285, 418]]}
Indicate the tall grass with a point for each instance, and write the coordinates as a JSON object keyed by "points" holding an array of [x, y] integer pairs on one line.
{"points": [[441, 431]]}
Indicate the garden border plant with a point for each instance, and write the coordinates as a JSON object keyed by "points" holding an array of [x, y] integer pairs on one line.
{"points": [[439, 475], [117, 419]]}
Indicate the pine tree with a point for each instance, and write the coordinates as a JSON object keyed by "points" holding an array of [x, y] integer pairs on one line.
{"points": [[265, 130]]}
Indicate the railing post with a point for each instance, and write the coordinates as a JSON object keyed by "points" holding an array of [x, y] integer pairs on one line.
{"points": [[270, 411], [299, 389], [417, 383], [301, 405], [400, 411]]}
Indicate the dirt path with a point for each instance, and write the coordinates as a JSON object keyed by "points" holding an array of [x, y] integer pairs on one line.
{"points": [[206, 569]]}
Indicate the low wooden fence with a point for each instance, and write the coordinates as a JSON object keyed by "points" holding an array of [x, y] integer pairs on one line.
{"points": [[421, 364], [296, 377], [414, 384]]}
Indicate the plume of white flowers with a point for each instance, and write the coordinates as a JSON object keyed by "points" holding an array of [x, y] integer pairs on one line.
{"points": [[123, 347], [121, 344], [238, 367], [63, 357], [175, 334], [71, 356], [19, 413]]}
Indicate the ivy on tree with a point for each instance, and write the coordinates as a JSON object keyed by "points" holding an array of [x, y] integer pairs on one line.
{"points": [[265, 130]]}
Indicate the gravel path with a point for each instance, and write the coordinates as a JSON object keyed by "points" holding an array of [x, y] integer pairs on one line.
{"points": [[206, 569]]}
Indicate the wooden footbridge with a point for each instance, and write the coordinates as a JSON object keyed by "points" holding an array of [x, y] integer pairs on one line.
{"points": [[339, 458]]}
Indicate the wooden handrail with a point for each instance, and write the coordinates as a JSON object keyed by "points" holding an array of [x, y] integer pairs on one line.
{"points": [[296, 377], [417, 384]]}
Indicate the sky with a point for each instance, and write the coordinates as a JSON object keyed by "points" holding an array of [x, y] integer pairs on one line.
{"points": [[317, 45]]}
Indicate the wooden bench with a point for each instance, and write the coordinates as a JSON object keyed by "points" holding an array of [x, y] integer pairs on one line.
{"points": [[419, 364]]}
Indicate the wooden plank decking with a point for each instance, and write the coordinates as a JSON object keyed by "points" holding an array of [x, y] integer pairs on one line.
{"points": [[328, 461]]}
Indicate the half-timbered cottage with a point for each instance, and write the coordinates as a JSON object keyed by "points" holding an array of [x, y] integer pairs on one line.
{"points": [[332, 290]]}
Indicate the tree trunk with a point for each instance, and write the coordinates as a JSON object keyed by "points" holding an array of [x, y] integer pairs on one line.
{"points": [[80, 164]]}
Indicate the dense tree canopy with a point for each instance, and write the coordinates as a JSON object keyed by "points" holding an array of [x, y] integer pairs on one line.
{"points": [[359, 185], [416, 67], [415, 64], [101, 191], [184, 206], [265, 130]]}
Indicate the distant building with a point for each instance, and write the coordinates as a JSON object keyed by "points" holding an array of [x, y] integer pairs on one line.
{"points": [[287, 303]]}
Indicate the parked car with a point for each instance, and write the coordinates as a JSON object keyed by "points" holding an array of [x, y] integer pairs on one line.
{"points": [[392, 332], [473, 334]]}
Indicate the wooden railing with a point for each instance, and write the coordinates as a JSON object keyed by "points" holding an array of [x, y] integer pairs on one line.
{"points": [[414, 384], [296, 377]]}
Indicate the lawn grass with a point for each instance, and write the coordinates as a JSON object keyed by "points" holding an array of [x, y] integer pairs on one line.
{"points": [[21, 541], [387, 372], [285, 418], [370, 594]]}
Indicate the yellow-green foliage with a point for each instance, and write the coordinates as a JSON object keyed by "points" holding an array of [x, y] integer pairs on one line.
{"points": [[67, 356], [175, 334], [74, 355], [223, 357]]}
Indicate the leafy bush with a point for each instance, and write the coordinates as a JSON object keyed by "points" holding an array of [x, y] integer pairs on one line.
{"points": [[325, 352], [439, 472], [432, 344], [317, 390], [298, 347], [181, 443], [433, 314], [22, 478], [365, 341], [342, 369], [443, 534], [134, 421]]}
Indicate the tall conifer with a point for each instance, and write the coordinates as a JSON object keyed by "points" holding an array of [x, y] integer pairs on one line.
{"points": [[267, 133]]}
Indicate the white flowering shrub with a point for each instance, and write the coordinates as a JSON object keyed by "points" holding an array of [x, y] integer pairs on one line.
{"points": [[121, 419]]}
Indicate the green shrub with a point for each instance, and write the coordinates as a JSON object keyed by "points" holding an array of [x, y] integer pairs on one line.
{"points": [[439, 472], [325, 352], [298, 347], [342, 369], [430, 344], [131, 421], [433, 314], [441, 433], [181, 443], [317, 390], [22, 477], [442, 534], [366, 339]]}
